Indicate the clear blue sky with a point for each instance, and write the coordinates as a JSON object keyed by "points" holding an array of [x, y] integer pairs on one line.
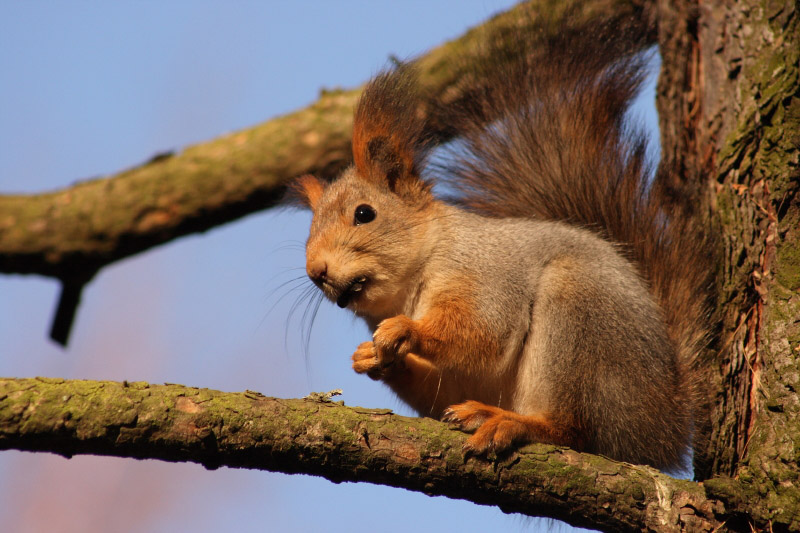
{"points": [[90, 88]]}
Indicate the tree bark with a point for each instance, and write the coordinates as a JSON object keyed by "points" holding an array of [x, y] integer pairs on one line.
{"points": [[249, 430], [729, 103]]}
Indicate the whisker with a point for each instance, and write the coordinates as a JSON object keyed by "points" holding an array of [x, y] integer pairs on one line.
{"points": [[289, 245], [305, 298], [298, 283], [310, 318]]}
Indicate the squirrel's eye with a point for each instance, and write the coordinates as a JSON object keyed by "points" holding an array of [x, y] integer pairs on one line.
{"points": [[364, 213]]}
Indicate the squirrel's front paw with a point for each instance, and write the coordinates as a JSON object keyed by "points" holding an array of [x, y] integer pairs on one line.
{"points": [[393, 339], [365, 360]]}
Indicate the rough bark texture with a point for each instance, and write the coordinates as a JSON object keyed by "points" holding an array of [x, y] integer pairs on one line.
{"points": [[730, 109], [248, 430], [73, 232]]}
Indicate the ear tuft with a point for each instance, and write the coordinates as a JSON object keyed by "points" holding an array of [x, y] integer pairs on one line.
{"points": [[389, 163], [389, 138], [306, 191]]}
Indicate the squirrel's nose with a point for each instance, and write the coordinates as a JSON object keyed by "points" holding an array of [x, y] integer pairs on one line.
{"points": [[318, 271]]}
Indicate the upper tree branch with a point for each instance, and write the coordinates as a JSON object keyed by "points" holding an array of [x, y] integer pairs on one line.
{"points": [[177, 423], [71, 233]]}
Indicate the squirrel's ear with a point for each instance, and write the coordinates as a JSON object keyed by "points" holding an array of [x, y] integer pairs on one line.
{"points": [[389, 143], [382, 159], [306, 191]]}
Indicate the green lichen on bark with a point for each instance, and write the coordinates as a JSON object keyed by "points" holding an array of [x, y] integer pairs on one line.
{"points": [[730, 112], [757, 206], [247, 430], [788, 257], [101, 220]]}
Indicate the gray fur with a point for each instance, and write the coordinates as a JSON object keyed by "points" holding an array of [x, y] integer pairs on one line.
{"points": [[601, 351]]}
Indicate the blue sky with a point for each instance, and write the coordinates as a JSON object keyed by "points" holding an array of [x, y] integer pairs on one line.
{"points": [[90, 88]]}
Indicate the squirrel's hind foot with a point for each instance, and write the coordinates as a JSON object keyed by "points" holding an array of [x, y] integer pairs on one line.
{"points": [[498, 430]]}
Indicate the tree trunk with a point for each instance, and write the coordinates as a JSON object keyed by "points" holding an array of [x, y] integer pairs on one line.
{"points": [[730, 120]]}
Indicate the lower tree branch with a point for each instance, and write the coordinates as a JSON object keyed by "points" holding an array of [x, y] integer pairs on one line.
{"points": [[249, 430]]}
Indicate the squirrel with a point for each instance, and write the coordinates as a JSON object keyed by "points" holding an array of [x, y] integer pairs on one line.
{"points": [[560, 297]]}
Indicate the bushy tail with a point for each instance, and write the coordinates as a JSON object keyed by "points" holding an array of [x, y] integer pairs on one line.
{"points": [[549, 139]]}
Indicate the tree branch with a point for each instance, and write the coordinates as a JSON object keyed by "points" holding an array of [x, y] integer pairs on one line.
{"points": [[78, 230], [248, 430]]}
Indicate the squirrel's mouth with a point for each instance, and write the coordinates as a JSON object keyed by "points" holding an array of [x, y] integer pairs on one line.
{"points": [[351, 291]]}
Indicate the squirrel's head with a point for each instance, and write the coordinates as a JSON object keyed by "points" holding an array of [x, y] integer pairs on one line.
{"points": [[368, 238], [370, 230]]}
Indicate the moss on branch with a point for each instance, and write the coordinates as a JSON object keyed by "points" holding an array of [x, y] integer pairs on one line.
{"points": [[249, 430]]}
